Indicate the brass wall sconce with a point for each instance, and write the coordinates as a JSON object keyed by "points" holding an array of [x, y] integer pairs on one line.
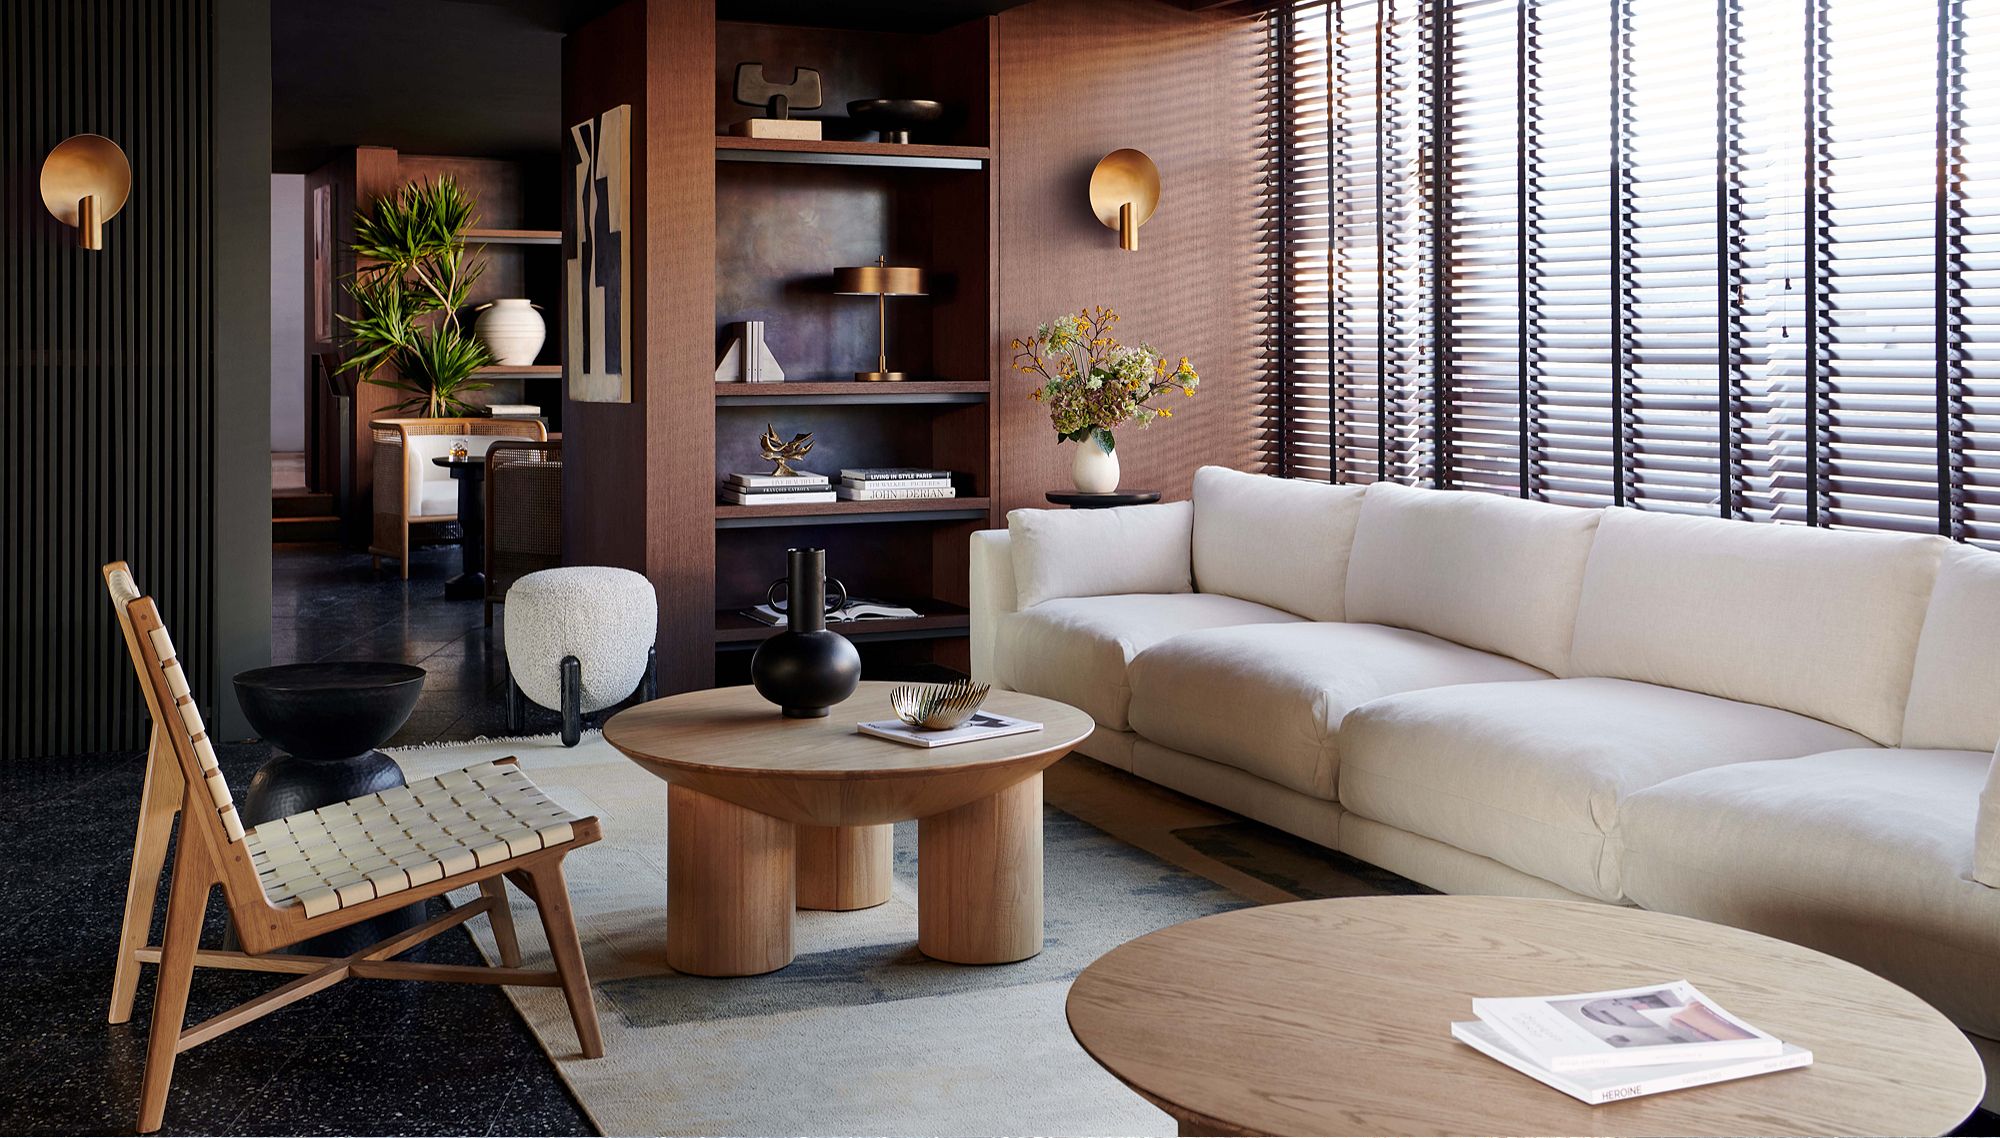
{"points": [[1124, 192], [879, 280], [85, 181]]}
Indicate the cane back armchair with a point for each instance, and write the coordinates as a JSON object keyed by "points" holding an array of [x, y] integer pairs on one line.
{"points": [[523, 514], [410, 488], [297, 877]]}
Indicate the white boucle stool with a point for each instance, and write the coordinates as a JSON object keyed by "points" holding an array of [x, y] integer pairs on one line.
{"points": [[579, 639]]}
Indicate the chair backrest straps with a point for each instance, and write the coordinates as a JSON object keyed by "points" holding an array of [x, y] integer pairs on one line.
{"points": [[174, 709]]}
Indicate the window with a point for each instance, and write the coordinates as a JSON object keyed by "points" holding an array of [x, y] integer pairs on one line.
{"points": [[1737, 259]]}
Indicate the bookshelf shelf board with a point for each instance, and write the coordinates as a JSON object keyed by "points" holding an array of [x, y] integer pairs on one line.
{"points": [[515, 236], [524, 370], [850, 392], [824, 152], [733, 629], [853, 513]]}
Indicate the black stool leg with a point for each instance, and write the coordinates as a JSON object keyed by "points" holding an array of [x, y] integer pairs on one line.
{"points": [[517, 707], [649, 684], [572, 700]]}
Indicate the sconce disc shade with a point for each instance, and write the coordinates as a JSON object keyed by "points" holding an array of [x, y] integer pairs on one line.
{"points": [[82, 166], [1124, 176], [879, 280]]}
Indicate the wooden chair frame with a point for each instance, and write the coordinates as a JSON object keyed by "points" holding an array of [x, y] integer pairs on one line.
{"points": [[390, 534], [499, 505], [208, 857]]}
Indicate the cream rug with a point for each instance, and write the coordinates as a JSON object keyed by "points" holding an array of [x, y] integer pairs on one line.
{"points": [[861, 1034]]}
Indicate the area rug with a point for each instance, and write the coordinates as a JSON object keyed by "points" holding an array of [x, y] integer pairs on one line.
{"points": [[861, 1034]]}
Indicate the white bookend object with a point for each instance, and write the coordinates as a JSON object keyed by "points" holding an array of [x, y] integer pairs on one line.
{"points": [[1616, 1083], [1670, 1022], [749, 358]]}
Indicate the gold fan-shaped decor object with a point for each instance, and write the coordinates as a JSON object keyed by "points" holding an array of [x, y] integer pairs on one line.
{"points": [[938, 707]]}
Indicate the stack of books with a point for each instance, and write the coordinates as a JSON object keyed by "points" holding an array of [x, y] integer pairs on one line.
{"points": [[883, 483], [856, 609], [777, 489], [1601, 1047]]}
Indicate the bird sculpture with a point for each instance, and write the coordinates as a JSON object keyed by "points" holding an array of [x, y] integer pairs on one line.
{"points": [[783, 453]]}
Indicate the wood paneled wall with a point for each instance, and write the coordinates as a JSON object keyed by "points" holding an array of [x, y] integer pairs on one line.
{"points": [[134, 387], [1079, 79], [638, 486]]}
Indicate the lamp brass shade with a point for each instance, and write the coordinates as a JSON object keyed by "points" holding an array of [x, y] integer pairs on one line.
{"points": [[1124, 193], [879, 280], [85, 182]]}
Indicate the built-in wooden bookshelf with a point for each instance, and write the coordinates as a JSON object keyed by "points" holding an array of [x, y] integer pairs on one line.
{"points": [[927, 203]]}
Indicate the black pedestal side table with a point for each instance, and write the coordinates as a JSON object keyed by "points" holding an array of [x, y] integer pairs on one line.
{"points": [[1078, 500], [327, 720], [470, 474]]}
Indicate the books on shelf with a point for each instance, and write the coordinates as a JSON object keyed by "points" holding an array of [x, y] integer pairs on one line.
{"points": [[856, 609], [892, 493], [982, 725], [801, 481], [863, 475], [777, 490], [894, 483], [1603, 1046], [514, 411]]}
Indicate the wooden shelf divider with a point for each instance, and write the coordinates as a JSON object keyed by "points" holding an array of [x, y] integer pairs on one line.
{"points": [[847, 513], [523, 371], [852, 392], [834, 152], [515, 236]]}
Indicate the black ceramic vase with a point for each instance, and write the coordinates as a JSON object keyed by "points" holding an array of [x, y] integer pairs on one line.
{"points": [[806, 669]]}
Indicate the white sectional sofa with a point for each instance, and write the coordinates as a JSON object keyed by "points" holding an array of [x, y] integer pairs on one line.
{"points": [[1780, 728]]}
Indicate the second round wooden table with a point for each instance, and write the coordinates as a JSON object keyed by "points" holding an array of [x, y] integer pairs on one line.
{"points": [[765, 814]]}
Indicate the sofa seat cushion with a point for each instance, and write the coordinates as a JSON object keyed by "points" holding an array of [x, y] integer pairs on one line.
{"points": [[1533, 775], [1270, 700], [1077, 649], [1866, 854], [436, 500]]}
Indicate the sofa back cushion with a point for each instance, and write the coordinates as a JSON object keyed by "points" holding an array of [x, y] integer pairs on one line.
{"points": [[1499, 574], [1097, 553], [1955, 686], [1819, 622], [1277, 541]]}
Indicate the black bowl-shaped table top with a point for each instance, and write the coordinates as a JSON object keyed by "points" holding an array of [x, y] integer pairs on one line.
{"points": [[329, 710]]}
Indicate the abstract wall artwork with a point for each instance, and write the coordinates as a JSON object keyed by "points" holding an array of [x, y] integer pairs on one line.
{"points": [[598, 259]]}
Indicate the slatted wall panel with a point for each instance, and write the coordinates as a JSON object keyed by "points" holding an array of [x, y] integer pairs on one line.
{"points": [[107, 384]]}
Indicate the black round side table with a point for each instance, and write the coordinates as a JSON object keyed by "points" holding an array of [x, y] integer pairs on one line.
{"points": [[327, 720], [470, 584], [1078, 500]]}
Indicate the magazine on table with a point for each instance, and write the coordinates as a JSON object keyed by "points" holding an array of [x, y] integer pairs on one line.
{"points": [[1627, 1027], [1615, 1083], [982, 725]]}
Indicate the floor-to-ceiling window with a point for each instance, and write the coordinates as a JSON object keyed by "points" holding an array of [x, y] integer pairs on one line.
{"points": [[1734, 258]]}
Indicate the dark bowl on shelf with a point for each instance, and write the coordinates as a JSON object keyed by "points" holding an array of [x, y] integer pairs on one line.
{"points": [[893, 118], [329, 710]]}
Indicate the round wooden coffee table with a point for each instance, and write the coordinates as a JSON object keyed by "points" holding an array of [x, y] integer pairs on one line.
{"points": [[1333, 1017], [766, 814]]}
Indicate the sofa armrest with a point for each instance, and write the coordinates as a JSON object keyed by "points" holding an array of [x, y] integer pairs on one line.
{"points": [[993, 595], [1986, 834]]}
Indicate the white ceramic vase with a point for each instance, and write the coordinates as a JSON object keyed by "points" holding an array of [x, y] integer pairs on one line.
{"points": [[511, 330], [1094, 469]]}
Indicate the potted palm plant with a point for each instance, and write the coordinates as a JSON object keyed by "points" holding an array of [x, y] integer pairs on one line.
{"points": [[415, 277]]}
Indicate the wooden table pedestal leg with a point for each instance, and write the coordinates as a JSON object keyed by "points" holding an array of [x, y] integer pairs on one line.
{"points": [[729, 887], [845, 867], [979, 878]]}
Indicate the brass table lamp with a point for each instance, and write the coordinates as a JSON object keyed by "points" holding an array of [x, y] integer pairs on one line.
{"points": [[879, 280]]}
